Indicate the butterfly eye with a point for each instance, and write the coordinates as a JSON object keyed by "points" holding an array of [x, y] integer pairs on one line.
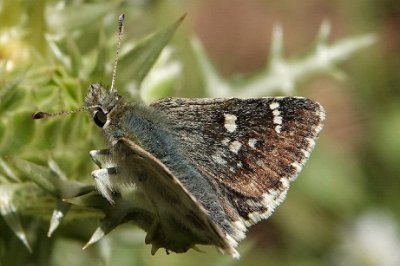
{"points": [[100, 118]]}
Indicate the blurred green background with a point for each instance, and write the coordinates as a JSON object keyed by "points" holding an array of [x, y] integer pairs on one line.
{"points": [[344, 209]]}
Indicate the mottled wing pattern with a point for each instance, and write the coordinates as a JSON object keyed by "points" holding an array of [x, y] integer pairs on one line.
{"points": [[181, 220], [252, 147]]}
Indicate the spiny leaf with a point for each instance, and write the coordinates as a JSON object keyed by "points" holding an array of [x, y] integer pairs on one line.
{"points": [[9, 213], [8, 172], [38, 174], [50, 179], [282, 74], [162, 79]]}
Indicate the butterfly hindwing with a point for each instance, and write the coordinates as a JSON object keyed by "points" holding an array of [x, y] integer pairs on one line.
{"points": [[176, 208]]}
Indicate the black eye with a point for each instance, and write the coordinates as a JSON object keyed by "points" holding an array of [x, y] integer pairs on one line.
{"points": [[99, 117]]}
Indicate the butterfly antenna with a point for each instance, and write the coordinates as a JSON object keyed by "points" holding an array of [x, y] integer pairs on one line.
{"points": [[120, 30], [42, 115]]}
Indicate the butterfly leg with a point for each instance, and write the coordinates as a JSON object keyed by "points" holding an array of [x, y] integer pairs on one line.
{"points": [[104, 176], [103, 158]]}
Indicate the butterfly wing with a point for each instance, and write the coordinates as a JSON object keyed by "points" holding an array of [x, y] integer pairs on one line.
{"points": [[181, 222], [253, 148]]}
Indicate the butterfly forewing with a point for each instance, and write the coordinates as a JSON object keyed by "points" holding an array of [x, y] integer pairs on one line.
{"points": [[251, 147]]}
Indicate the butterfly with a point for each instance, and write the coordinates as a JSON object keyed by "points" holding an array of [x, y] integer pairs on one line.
{"points": [[199, 171]]}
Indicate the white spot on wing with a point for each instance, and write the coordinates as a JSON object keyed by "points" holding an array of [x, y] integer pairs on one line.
{"points": [[260, 163], [235, 146], [277, 119], [252, 143], [270, 200], [297, 166], [274, 105], [218, 159], [230, 122], [306, 154], [225, 141]]}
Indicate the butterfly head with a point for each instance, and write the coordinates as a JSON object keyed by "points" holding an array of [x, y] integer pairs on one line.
{"points": [[101, 101]]}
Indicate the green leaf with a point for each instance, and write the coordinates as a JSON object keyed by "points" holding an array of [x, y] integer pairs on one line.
{"points": [[99, 69], [216, 86], [51, 179], [10, 96], [78, 16], [19, 133], [75, 56], [2, 130], [142, 57]]}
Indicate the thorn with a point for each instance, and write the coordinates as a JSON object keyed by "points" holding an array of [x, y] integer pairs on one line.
{"points": [[54, 222], [337, 73], [56, 169], [24, 239], [97, 235], [324, 32], [59, 213], [182, 17], [277, 43]]}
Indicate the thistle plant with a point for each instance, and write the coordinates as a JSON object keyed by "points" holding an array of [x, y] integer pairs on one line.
{"points": [[45, 184]]}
